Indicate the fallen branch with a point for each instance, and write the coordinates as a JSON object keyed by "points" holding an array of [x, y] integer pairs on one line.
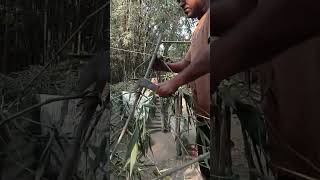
{"points": [[39, 105], [171, 171]]}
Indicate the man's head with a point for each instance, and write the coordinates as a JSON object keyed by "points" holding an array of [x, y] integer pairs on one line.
{"points": [[194, 8]]}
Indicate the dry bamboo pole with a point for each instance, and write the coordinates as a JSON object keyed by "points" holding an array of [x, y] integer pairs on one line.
{"points": [[178, 114], [137, 91]]}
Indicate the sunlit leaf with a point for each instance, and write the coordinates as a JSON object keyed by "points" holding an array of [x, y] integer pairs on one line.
{"points": [[133, 157]]}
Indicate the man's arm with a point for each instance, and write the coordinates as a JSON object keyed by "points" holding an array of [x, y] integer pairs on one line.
{"points": [[226, 13], [194, 70], [274, 26], [190, 73], [177, 67]]}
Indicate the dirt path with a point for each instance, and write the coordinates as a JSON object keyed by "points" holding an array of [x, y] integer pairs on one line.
{"points": [[164, 155]]}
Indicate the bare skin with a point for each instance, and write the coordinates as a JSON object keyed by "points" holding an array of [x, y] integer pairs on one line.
{"points": [[271, 27], [196, 9], [192, 9], [176, 67]]}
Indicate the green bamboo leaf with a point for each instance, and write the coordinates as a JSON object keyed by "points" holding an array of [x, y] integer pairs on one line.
{"points": [[133, 141], [133, 157]]}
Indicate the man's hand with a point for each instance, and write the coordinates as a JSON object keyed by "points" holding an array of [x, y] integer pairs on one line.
{"points": [[159, 64], [167, 88]]}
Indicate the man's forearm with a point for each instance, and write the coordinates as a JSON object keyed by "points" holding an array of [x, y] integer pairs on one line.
{"points": [[271, 28], [195, 69], [177, 67]]}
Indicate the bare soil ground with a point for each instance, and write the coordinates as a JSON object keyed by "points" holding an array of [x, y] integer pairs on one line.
{"points": [[164, 155]]}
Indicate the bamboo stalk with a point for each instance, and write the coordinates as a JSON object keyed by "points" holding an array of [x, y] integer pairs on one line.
{"points": [[138, 91], [178, 114]]}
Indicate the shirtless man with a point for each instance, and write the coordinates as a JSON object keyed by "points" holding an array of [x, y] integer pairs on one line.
{"points": [[285, 35], [200, 87]]}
